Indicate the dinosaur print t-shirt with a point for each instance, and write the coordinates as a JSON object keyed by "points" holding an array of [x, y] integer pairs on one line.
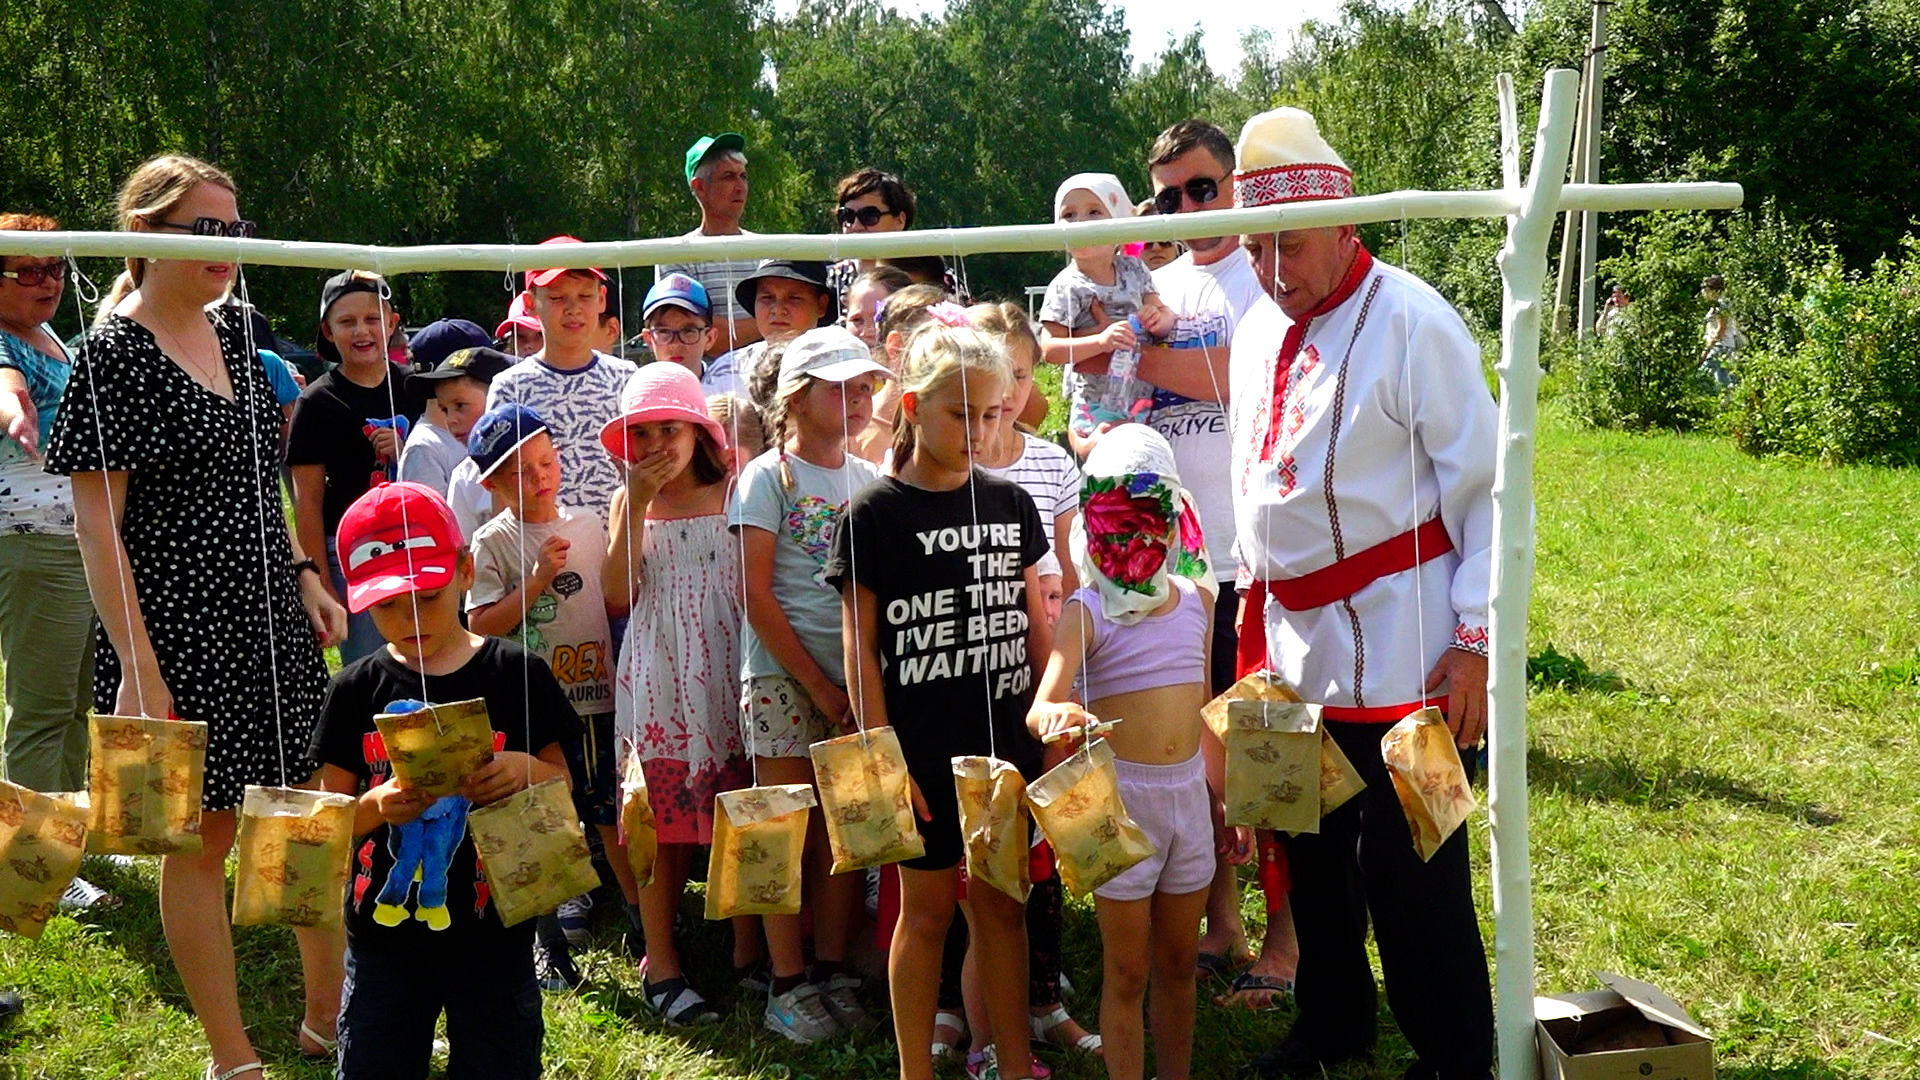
{"points": [[801, 518], [424, 878], [565, 623]]}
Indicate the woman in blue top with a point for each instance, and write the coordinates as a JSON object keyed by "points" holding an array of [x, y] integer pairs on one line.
{"points": [[46, 616]]}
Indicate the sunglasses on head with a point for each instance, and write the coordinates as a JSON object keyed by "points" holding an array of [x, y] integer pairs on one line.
{"points": [[868, 216], [1201, 189], [211, 226], [29, 276]]}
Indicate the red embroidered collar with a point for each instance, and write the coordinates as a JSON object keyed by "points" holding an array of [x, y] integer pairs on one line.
{"points": [[1296, 334]]}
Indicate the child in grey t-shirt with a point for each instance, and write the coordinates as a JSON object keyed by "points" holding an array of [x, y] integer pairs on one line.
{"points": [[1086, 309]]}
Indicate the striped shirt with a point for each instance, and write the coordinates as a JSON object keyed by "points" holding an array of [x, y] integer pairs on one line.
{"points": [[1047, 473], [720, 278]]}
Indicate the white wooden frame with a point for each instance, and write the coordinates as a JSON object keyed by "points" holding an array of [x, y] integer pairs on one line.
{"points": [[1529, 208]]}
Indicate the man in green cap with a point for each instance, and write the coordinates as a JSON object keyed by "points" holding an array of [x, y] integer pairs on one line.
{"points": [[717, 175]]}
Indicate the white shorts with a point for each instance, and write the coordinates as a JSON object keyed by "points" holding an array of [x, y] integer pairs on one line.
{"points": [[1170, 803]]}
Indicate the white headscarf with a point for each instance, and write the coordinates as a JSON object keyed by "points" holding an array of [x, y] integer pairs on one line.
{"points": [[1136, 524]]}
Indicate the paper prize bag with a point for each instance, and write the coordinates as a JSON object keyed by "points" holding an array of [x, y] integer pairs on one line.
{"points": [[144, 781], [533, 850], [1428, 777], [1273, 765], [1077, 805], [1339, 780], [759, 838], [862, 779], [636, 822], [993, 823], [41, 840], [435, 747], [1259, 686], [295, 853]]}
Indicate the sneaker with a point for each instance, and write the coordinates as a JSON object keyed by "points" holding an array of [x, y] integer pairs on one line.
{"points": [[871, 896], [985, 1065], [575, 915], [800, 1015], [841, 997], [83, 894], [553, 965]]}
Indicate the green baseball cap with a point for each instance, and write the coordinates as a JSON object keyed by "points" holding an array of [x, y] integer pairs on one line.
{"points": [[706, 144]]}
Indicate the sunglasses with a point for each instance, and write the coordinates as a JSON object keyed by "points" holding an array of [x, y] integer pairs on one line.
{"points": [[1201, 189], [210, 226], [29, 276], [866, 215]]}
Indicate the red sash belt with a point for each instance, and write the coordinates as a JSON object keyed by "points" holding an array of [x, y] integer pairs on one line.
{"points": [[1336, 581]]}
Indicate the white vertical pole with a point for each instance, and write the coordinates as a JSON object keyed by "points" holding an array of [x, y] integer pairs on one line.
{"points": [[1590, 219], [1523, 272], [1564, 304]]}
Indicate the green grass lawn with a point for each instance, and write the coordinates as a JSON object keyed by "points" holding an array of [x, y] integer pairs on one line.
{"points": [[1731, 816]]}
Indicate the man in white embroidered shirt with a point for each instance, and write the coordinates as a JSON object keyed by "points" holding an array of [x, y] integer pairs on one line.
{"points": [[1363, 452]]}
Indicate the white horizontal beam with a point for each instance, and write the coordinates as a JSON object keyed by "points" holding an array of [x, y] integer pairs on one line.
{"points": [[1392, 206]]}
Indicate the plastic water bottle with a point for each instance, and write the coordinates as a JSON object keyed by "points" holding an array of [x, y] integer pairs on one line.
{"points": [[1123, 369]]}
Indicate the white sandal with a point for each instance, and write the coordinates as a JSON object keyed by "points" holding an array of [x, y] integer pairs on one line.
{"points": [[251, 1066], [1044, 1024], [944, 1050]]}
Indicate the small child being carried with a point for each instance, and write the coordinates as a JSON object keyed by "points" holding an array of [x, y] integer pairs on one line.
{"points": [[1086, 310]]}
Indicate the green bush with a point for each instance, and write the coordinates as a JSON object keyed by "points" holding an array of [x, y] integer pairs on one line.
{"points": [[1848, 390]]}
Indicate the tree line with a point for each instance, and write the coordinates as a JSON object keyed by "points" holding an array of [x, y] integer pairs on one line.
{"points": [[404, 122]]}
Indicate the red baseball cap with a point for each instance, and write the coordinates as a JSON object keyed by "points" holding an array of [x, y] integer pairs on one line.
{"points": [[397, 538], [538, 278]]}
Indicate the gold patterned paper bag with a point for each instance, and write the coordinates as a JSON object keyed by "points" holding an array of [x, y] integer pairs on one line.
{"points": [[1339, 780], [862, 779], [144, 781], [1077, 805], [637, 831], [41, 840], [993, 823], [1428, 777], [435, 748], [295, 853], [1273, 765], [759, 840], [533, 850], [1259, 686]]}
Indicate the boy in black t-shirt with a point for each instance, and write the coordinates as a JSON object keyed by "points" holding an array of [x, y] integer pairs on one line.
{"points": [[349, 425], [422, 935]]}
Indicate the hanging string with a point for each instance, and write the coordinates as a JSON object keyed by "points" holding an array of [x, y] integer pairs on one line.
{"points": [[973, 505], [857, 678], [381, 295], [520, 534], [251, 406], [120, 558]]}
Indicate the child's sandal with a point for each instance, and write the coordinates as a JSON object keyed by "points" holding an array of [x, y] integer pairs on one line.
{"points": [[954, 1022], [237, 1070], [677, 1003]]}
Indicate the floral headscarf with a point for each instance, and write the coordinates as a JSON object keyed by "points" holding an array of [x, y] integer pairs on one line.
{"points": [[1136, 525]]}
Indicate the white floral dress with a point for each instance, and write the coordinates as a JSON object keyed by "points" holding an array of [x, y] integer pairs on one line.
{"points": [[677, 693]]}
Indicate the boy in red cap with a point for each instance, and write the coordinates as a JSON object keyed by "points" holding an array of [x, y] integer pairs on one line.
{"points": [[575, 388], [422, 935]]}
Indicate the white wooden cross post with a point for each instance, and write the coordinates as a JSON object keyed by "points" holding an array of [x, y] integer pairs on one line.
{"points": [[1529, 209]]}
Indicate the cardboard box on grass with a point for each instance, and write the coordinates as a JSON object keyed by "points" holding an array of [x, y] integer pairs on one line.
{"points": [[1628, 1031]]}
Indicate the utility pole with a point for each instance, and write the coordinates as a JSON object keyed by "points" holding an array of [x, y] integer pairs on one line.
{"points": [[1570, 220], [1590, 219]]}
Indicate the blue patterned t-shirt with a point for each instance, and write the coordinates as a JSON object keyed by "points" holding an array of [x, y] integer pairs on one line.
{"points": [[33, 500]]}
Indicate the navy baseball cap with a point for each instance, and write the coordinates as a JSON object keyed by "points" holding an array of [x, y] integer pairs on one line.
{"points": [[681, 291], [481, 364], [434, 342], [499, 433]]}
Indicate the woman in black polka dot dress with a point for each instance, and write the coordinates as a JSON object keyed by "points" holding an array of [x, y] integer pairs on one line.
{"points": [[208, 611]]}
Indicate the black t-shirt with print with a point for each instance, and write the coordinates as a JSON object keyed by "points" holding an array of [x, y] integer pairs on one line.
{"points": [[947, 569], [529, 712], [329, 429]]}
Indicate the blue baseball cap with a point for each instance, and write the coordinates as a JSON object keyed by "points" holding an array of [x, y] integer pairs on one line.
{"points": [[499, 433], [680, 291]]}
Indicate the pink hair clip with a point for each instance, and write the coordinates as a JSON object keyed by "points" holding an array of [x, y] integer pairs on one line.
{"points": [[949, 314]]}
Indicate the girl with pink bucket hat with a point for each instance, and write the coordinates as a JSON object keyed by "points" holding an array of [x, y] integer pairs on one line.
{"points": [[671, 562]]}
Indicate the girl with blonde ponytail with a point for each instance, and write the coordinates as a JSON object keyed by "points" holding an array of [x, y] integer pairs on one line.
{"points": [[940, 597]]}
